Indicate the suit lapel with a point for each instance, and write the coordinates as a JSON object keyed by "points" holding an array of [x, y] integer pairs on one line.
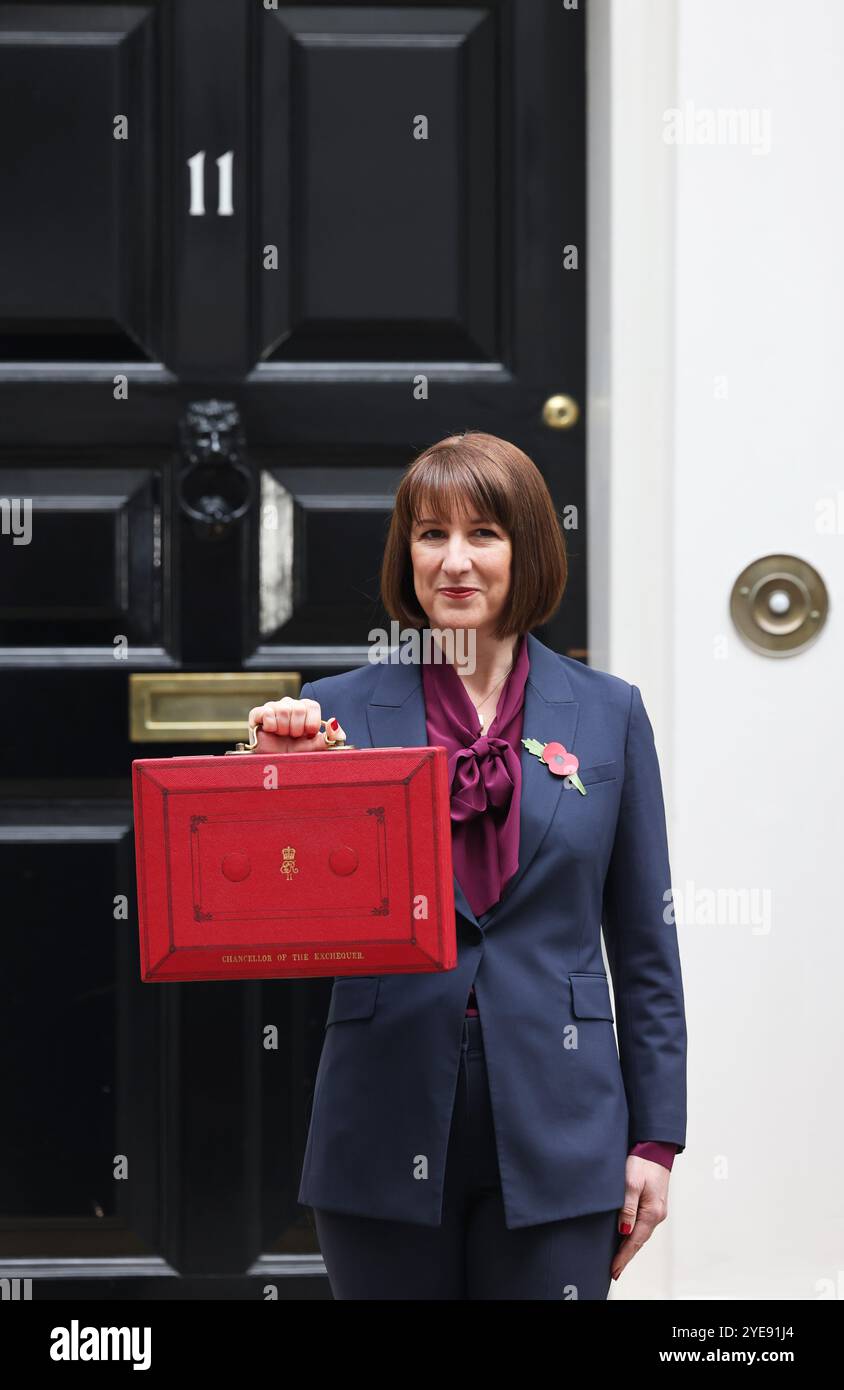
{"points": [[550, 716], [396, 719]]}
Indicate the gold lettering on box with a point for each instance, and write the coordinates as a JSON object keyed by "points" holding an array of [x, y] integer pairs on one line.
{"points": [[244, 960], [289, 866], [339, 955]]}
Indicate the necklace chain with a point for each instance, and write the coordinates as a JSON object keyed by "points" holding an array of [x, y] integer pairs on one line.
{"points": [[479, 707]]}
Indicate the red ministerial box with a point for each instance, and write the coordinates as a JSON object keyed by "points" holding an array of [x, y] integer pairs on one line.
{"points": [[291, 865]]}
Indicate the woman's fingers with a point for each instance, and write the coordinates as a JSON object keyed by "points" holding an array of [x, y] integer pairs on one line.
{"points": [[288, 717], [645, 1206], [294, 719], [303, 718]]}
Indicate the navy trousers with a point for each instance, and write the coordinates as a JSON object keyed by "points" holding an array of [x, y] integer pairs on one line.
{"points": [[471, 1255]]}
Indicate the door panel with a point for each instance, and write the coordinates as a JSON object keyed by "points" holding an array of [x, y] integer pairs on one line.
{"points": [[78, 232], [380, 184], [106, 524]]}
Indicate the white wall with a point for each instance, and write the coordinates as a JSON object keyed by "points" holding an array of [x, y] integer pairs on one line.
{"points": [[716, 364]]}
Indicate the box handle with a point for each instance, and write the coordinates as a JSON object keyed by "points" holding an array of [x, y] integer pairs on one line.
{"points": [[252, 745]]}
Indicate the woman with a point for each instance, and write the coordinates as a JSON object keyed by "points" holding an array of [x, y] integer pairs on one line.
{"points": [[474, 1133]]}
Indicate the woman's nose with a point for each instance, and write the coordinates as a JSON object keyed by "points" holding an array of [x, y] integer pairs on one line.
{"points": [[456, 558]]}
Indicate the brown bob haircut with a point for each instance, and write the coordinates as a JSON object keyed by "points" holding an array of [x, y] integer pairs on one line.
{"points": [[491, 478]]}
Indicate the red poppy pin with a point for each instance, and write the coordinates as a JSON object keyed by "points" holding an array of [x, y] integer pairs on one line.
{"points": [[559, 760]]}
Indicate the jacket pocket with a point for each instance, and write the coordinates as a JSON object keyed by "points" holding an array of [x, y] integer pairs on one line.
{"points": [[353, 997], [599, 772], [590, 996]]}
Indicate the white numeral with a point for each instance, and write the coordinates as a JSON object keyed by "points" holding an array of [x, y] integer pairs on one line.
{"points": [[225, 184]]}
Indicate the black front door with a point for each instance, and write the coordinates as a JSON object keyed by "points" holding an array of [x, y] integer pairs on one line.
{"points": [[253, 257]]}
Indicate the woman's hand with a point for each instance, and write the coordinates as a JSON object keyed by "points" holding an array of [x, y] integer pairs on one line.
{"points": [[645, 1206], [292, 726]]}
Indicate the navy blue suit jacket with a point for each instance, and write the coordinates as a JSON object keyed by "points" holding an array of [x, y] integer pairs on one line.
{"points": [[567, 1102]]}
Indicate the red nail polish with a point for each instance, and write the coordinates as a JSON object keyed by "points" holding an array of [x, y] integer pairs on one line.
{"points": [[625, 1229], [334, 724]]}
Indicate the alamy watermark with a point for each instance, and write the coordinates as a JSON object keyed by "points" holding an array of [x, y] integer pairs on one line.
{"points": [[11, 521], [718, 125], [423, 646], [696, 906]]}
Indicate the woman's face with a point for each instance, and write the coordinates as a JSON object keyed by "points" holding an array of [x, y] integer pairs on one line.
{"points": [[464, 551]]}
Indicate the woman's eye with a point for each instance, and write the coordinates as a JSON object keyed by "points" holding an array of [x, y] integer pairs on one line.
{"points": [[480, 529]]}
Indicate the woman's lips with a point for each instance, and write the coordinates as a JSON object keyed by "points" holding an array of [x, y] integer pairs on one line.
{"points": [[458, 593]]}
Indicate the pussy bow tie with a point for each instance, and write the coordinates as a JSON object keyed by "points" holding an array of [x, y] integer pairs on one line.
{"points": [[481, 777]]}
